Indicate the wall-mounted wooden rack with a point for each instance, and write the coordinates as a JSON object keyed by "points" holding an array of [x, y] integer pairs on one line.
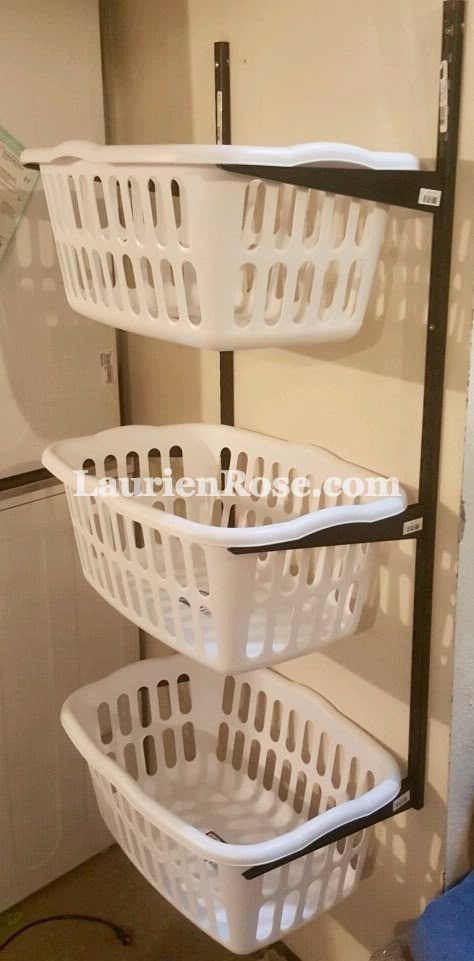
{"points": [[433, 193]]}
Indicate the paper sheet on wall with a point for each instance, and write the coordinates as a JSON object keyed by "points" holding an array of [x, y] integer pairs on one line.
{"points": [[16, 185]]}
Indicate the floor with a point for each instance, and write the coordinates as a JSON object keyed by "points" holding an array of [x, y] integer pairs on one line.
{"points": [[394, 952], [158, 932]]}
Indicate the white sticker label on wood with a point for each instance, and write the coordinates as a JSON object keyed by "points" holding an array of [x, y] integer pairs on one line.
{"points": [[16, 184], [429, 198], [107, 364], [400, 802], [219, 117], [443, 97], [410, 527]]}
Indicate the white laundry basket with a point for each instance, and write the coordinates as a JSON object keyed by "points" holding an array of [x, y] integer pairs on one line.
{"points": [[200, 777], [159, 241], [165, 561]]}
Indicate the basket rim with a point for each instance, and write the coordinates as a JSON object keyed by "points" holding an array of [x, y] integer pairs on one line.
{"points": [[236, 855], [340, 154], [296, 528]]}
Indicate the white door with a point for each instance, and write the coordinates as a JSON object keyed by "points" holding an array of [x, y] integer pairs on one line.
{"points": [[56, 634], [52, 384]]}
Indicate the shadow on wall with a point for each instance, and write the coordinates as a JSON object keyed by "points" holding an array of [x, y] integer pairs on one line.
{"points": [[408, 854], [148, 99], [408, 862], [404, 869], [392, 340], [164, 380], [385, 628], [147, 75], [404, 872], [381, 652]]}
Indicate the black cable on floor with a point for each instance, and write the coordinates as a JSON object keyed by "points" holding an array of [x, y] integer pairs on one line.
{"points": [[119, 932]]}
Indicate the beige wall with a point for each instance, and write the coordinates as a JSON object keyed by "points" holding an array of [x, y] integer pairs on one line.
{"points": [[366, 73], [148, 92]]}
